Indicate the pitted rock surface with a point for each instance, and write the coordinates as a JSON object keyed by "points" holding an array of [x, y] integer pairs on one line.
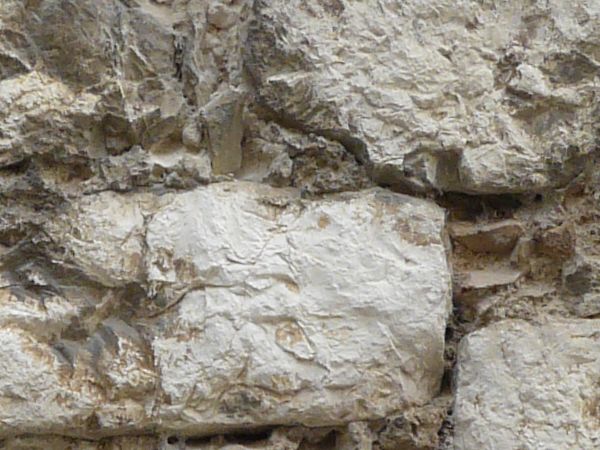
{"points": [[299, 224]]}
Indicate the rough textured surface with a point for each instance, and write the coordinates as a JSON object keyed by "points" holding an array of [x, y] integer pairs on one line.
{"points": [[286, 314], [271, 224], [268, 310], [483, 97], [525, 386]]}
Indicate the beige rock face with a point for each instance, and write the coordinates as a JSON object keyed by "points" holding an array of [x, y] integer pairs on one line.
{"points": [[104, 236], [526, 386], [60, 443], [85, 82], [500, 237], [473, 97], [26, 116], [287, 315], [264, 310], [270, 224]]}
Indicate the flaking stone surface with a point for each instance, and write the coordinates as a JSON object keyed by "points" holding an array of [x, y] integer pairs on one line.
{"points": [[479, 97], [529, 386], [264, 309]]}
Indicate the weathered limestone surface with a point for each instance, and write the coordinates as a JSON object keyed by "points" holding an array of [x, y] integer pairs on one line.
{"points": [[482, 97], [270, 224], [290, 313], [61, 443], [529, 386], [262, 309]]}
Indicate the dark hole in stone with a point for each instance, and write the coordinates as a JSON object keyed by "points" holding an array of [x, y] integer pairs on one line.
{"points": [[470, 207], [328, 442], [449, 333], [413, 429], [12, 236], [172, 440], [194, 441], [17, 167], [502, 203], [248, 438], [538, 198], [447, 378]]}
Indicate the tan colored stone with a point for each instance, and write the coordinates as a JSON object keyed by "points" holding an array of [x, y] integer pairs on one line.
{"points": [[497, 237], [557, 242], [478, 98], [487, 278], [299, 302], [257, 308], [223, 117]]}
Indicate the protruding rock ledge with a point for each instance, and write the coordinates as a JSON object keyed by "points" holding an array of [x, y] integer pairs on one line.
{"points": [[497, 237]]}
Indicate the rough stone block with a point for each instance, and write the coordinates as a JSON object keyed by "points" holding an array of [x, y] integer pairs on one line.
{"points": [[529, 386], [316, 313]]}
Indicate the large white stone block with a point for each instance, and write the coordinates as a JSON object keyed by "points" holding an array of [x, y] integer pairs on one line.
{"points": [[313, 312]]}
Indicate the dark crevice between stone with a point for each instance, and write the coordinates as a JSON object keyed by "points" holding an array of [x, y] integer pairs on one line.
{"points": [[328, 442], [198, 441], [16, 167], [453, 335], [446, 431], [248, 437], [465, 207]]}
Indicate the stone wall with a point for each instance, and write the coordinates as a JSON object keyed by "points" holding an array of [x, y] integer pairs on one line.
{"points": [[299, 224]]}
